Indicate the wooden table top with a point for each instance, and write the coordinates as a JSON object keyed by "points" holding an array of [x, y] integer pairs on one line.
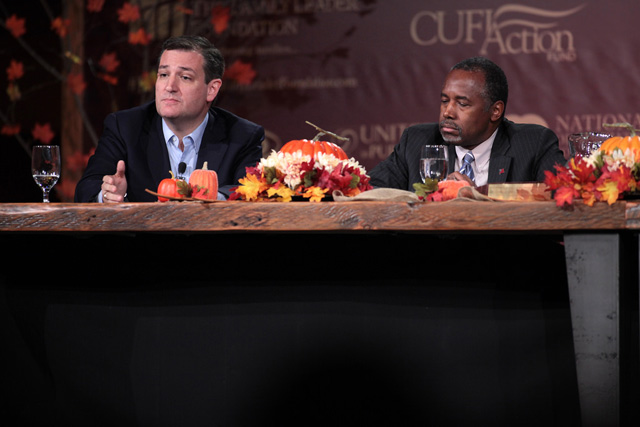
{"points": [[352, 216]]}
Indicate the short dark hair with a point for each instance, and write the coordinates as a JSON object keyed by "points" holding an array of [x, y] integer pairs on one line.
{"points": [[496, 86], [213, 59]]}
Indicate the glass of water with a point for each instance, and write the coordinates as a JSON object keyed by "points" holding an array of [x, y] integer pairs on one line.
{"points": [[45, 167], [433, 162]]}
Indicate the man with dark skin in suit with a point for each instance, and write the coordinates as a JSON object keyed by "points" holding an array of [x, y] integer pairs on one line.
{"points": [[467, 117], [473, 101]]}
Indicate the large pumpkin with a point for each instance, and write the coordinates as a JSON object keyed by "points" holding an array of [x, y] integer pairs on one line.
{"points": [[205, 179], [313, 147], [624, 143]]}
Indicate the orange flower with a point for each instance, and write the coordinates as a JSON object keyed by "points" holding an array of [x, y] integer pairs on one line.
{"points": [[95, 5], [220, 18], [60, 26], [43, 133], [128, 13], [242, 72], [15, 70], [76, 83], [16, 25], [139, 37]]}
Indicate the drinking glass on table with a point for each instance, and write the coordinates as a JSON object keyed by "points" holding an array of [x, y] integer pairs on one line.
{"points": [[45, 167], [433, 162], [584, 143]]}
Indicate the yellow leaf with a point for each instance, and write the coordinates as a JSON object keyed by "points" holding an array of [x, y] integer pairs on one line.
{"points": [[282, 191], [609, 190], [315, 194], [251, 186]]}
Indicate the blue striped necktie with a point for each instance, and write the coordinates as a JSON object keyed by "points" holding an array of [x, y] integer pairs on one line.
{"points": [[466, 165]]}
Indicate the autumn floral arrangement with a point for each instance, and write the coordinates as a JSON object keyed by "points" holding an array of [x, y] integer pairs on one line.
{"points": [[307, 169], [610, 173]]}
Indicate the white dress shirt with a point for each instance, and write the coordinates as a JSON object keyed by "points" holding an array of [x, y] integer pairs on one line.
{"points": [[191, 148], [482, 154]]}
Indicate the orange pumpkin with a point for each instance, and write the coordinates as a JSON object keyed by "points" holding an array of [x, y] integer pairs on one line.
{"points": [[173, 187], [624, 143], [205, 179], [313, 148]]}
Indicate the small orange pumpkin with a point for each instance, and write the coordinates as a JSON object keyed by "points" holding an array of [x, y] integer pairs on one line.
{"points": [[315, 146], [174, 188], [631, 142], [205, 179]]}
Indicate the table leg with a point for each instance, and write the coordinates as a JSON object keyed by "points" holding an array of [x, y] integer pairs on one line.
{"points": [[593, 270]]}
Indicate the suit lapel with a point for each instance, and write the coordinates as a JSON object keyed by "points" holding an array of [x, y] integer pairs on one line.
{"points": [[158, 154], [214, 143], [499, 162]]}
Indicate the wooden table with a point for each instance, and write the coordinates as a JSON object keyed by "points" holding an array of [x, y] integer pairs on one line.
{"points": [[600, 245]]}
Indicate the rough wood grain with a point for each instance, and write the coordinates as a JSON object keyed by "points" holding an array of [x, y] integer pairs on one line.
{"points": [[458, 215]]}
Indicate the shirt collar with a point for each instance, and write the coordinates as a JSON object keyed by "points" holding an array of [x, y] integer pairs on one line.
{"points": [[196, 135], [481, 153]]}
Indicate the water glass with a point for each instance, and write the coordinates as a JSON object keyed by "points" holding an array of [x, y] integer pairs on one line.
{"points": [[433, 162], [45, 167], [584, 143]]}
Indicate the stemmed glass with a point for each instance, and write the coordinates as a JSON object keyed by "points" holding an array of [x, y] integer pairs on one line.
{"points": [[433, 162], [45, 167]]}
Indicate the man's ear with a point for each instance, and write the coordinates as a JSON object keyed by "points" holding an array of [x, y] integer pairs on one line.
{"points": [[213, 87], [497, 110]]}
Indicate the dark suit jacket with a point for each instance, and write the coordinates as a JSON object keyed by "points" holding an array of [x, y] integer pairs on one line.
{"points": [[229, 145], [520, 153]]}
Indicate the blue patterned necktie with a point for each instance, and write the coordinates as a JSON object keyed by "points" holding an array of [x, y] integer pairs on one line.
{"points": [[466, 165]]}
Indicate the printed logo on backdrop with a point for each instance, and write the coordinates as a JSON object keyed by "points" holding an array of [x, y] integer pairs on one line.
{"points": [[510, 29]]}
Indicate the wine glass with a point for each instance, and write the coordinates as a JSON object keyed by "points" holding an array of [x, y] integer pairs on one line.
{"points": [[433, 162], [45, 167]]}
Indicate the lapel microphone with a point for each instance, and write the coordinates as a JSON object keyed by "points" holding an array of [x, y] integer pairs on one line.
{"points": [[182, 167]]}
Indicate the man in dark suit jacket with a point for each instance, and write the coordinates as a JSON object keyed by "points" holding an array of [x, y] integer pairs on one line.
{"points": [[139, 146], [472, 106]]}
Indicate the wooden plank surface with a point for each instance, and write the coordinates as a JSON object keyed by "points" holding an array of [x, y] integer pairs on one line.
{"points": [[457, 215]]}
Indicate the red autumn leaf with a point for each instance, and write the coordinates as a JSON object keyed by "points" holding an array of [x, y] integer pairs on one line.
{"points": [[95, 5], [16, 25], [15, 70], [128, 13], [582, 170], [76, 83], [109, 62], [10, 130], [139, 37], [242, 72], [112, 80], [60, 26], [42, 133], [220, 16], [564, 196]]}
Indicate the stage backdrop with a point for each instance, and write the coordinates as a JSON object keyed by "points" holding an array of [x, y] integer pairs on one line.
{"points": [[364, 69]]}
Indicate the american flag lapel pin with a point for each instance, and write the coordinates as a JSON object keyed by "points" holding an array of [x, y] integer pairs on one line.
{"points": [[501, 171]]}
